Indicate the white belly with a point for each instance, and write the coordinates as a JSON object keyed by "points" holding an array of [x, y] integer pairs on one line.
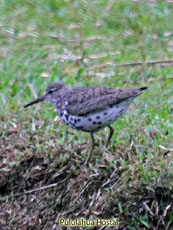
{"points": [[95, 121]]}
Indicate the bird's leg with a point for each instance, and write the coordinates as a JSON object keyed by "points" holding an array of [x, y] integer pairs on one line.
{"points": [[66, 135], [92, 148], [110, 135]]}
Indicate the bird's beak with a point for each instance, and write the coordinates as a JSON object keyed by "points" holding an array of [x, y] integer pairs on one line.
{"points": [[35, 101]]}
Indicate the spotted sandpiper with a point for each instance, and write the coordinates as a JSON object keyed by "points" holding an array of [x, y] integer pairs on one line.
{"points": [[89, 108]]}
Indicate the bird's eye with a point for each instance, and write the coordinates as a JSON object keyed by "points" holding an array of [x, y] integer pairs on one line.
{"points": [[50, 91]]}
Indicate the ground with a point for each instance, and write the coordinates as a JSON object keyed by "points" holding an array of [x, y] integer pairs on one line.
{"points": [[82, 43]]}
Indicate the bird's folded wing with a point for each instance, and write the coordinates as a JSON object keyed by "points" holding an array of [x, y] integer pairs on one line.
{"points": [[90, 103]]}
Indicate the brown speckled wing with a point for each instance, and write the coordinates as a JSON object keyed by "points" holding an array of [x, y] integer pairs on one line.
{"points": [[85, 100]]}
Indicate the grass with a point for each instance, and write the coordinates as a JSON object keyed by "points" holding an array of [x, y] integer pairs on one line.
{"points": [[50, 41]]}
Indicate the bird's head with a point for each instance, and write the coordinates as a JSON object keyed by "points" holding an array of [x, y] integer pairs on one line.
{"points": [[52, 93]]}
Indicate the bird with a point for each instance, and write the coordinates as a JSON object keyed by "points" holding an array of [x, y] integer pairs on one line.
{"points": [[89, 108]]}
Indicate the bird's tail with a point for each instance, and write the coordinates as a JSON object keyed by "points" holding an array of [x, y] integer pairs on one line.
{"points": [[141, 90]]}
